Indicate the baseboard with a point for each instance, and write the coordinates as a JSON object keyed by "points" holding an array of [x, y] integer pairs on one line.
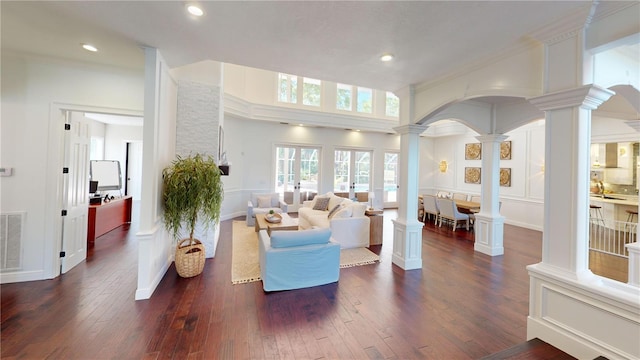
{"points": [[145, 293], [21, 276], [572, 344]]}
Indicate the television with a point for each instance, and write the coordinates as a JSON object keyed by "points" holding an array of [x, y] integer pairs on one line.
{"points": [[93, 187]]}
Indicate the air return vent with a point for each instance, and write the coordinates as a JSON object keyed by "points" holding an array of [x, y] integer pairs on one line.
{"points": [[11, 241]]}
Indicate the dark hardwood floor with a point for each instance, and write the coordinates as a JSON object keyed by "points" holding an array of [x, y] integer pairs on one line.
{"points": [[460, 305]]}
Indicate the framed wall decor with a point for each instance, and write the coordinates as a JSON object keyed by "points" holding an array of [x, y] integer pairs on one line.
{"points": [[472, 175], [473, 151], [505, 150], [505, 177]]}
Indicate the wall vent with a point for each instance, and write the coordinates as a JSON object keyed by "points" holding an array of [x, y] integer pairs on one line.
{"points": [[11, 229]]}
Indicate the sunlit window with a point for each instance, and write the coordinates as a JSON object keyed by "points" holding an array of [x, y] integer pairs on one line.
{"points": [[287, 88], [344, 95], [365, 100], [392, 105], [311, 89]]}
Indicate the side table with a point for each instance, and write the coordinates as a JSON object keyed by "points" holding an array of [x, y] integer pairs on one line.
{"points": [[375, 226]]}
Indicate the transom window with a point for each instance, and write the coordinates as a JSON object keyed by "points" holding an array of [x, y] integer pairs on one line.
{"points": [[344, 97], [289, 89], [392, 105], [365, 100]]}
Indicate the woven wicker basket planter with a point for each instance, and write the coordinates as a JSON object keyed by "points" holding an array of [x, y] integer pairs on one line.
{"points": [[189, 258]]}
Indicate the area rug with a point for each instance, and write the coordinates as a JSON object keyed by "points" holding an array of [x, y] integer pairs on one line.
{"points": [[245, 265]]}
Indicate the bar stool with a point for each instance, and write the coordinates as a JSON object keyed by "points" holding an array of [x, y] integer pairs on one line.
{"points": [[632, 214], [595, 214]]}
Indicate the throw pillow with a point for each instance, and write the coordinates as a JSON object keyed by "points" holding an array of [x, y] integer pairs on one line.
{"points": [[321, 203], [264, 201], [344, 212], [334, 211], [334, 200]]}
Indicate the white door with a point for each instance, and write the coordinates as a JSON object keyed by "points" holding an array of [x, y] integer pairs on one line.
{"points": [[297, 174], [352, 172], [391, 173], [134, 169], [75, 191]]}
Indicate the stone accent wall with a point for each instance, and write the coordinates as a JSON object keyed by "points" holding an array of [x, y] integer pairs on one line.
{"points": [[197, 124], [198, 119]]}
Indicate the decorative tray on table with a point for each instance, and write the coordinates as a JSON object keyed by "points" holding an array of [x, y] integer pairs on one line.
{"points": [[273, 218]]}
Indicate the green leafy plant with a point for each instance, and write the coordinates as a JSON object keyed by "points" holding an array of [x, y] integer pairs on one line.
{"points": [[192, 191]]}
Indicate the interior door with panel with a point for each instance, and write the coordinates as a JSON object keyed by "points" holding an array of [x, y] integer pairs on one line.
{"points": [[297, 174], [75, 190]]}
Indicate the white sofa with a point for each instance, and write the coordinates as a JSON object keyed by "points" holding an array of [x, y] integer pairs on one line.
{"points": [[348, 223], [262, 204]]}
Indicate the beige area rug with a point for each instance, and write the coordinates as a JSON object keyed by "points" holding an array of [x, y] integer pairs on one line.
{"points": [[245, 265]]}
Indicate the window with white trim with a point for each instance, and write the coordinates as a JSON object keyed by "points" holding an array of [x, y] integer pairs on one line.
{"points": [[392, 105], [311, 90], [287, 88], [344, 97], [364, 99]]}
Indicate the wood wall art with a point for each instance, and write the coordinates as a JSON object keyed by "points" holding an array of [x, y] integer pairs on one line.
{"points": [[505, 150], [473, 151], [472, 175], [505, 177]]}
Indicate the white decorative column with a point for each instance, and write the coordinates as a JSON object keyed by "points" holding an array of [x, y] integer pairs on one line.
{"points": [[407, 230], [489, 224], [567, 147]]}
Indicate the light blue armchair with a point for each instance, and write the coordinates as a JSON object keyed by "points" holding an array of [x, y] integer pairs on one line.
{"points": [[298, 259]]}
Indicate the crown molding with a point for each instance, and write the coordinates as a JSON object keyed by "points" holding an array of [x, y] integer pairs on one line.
{"points": [[244, 109], [588, 97]]}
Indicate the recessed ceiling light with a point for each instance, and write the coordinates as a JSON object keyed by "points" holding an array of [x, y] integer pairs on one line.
{"points": [[89, 47], [386, 57], [195, 10]]}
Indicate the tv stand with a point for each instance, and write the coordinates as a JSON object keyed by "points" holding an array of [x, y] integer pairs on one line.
{"points": [[107, 216]]}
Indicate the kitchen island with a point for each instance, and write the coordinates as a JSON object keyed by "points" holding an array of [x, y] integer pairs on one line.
{"points": [[614, 206]]}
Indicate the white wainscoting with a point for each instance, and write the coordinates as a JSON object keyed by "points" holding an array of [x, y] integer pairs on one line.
{"points": [[587, 317]]}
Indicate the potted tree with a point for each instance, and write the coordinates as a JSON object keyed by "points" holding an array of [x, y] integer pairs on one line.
{"points": [[192, 193]]}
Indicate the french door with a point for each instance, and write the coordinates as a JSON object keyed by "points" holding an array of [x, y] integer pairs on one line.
{"points": [[352, 172], [391, 181], [297, 174]]}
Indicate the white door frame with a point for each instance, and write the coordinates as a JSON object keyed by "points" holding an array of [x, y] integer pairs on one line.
{"points": [[53, 194]]}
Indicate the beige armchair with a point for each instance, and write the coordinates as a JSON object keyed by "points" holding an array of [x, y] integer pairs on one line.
{"points": [[449, 211], [262, 204]]}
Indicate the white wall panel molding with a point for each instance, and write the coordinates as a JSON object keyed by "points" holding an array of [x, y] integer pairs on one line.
{"points": [[586, 318]]}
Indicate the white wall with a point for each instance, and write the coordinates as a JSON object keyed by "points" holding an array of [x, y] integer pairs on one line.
{"points": [[251, 145], [521, 202], [29, 88]]}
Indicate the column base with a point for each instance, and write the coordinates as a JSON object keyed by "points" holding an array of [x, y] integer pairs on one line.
{"points": [[489, 234], [407, 244]]}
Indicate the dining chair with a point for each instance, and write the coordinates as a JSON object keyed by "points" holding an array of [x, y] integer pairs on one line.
{"points": [[449, 210], [460, 196], [430, 207], [476, 198], [421, 209]]}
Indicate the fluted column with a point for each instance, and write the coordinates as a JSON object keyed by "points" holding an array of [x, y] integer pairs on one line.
{"points": [[489, 224]]}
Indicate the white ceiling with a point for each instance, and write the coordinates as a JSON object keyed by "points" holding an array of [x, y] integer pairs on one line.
{"points": [[329, 40]]}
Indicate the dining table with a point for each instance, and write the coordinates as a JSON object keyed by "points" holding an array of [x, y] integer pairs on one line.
{"points": [[464, 205], [467, 206]]}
